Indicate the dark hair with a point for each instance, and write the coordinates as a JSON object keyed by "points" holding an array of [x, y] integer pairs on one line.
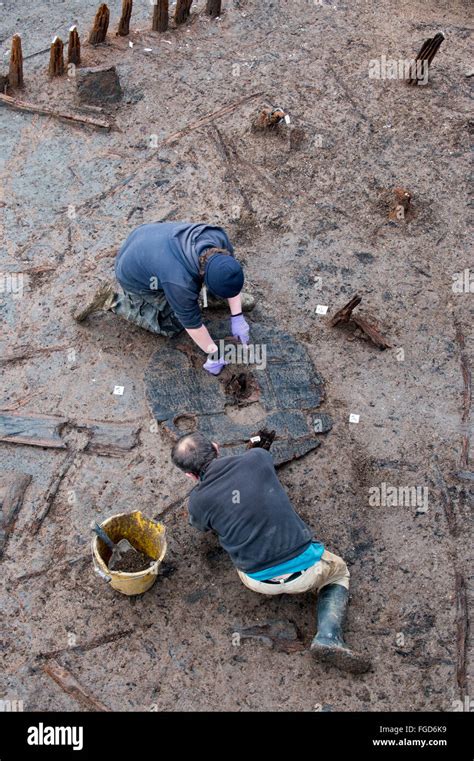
{"points": [[193, 453], [208, 254]]}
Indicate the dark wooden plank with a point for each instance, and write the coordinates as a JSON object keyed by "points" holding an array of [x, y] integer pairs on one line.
{"points": [[111, 439], [20, 105], [12, 491], [288, 392], [462, 627], [53, 489], [372, 332], [33, 429], [71, 686]]}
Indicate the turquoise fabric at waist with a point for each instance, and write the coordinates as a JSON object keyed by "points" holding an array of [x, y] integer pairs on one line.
{"points": [[300, 563]]}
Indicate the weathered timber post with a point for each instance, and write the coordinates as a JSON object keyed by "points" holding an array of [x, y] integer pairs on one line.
{"points": [[101, 24], [56, 58], [420, 67], [74, 47], [183, 10], [124, 23], [15, 74], [160, 16], [213, 8]]}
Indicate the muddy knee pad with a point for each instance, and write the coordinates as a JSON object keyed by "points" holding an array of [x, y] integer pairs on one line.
{"points": [[338, 572]]}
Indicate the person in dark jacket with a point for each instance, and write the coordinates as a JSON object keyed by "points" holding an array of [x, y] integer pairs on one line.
{"points": [[273, 550], [162, 269]]}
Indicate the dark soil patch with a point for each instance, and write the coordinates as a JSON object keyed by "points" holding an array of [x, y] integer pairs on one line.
{"points": [[241, 387], [265, 439], [133, 562]]}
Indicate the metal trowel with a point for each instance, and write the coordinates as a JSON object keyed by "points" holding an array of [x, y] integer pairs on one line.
{"points": [[118, 550]]}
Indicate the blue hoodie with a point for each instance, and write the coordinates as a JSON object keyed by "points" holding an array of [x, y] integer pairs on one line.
{"points": [[164, 256]]}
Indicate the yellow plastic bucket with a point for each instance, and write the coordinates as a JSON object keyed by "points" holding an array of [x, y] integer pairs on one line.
{"points": [[146, 535]]}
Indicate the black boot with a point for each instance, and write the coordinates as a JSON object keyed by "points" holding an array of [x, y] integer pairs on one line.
{"points": [[328, 645]]}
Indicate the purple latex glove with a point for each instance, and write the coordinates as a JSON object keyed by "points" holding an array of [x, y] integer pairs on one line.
{"points": [[214, 366], [240, 328]]}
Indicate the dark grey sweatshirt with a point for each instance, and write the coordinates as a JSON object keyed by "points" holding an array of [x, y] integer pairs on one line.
{"points": [[242, 500]]}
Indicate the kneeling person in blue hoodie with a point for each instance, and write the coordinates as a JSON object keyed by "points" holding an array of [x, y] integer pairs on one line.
{"points": [[274, 552], [161, 270]]}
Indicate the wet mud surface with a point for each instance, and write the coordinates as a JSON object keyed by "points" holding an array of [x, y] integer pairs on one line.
{"points": [[307, 207]]}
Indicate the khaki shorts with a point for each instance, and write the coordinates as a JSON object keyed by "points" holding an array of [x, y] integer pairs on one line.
{"points": [[331, 569]]}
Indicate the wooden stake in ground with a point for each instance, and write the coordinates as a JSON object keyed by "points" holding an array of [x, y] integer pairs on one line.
{"points": [[124, 23], [419, 70], [160, 16], [345, 316], [56, 58], [183, 10], [74, 47], [213, 8], [15, 74], [101, 24]]}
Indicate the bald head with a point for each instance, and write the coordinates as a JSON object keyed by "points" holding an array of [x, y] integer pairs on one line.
{"points": [[193, 453]]}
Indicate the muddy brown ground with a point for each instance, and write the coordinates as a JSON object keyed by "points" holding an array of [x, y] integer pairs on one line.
{"points": [[302, 203]]}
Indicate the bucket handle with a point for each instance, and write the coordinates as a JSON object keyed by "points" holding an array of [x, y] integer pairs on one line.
{"points": [[102, 574]]}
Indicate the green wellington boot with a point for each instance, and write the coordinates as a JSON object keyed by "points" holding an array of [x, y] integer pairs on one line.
{"points": [[328, 645], [102, 300]]}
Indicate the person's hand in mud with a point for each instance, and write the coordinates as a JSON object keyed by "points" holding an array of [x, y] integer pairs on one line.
{"points": [[201, 337], [214, 366]]}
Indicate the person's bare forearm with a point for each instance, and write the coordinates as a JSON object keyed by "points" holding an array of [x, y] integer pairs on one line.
{"points": [[235, 304], [202, 338]]}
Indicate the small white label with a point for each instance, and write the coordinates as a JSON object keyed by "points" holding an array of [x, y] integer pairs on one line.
{"points": [[287, 118], [353, 418], [130, 44], [118, 390], [148, 50], [254, 439], [321, 309]]}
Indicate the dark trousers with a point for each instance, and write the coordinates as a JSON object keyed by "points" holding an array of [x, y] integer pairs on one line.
{"points": [[150, 311]]}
